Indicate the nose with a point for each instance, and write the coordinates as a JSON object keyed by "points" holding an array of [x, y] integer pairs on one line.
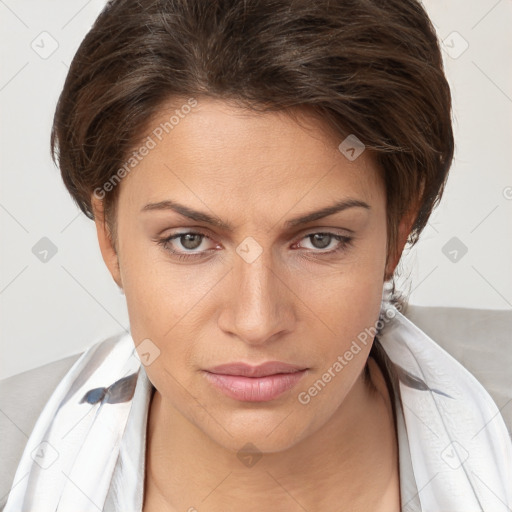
{"points": [[259, 306]]}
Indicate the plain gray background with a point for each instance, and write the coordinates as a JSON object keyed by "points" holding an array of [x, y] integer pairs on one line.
{"points": [[57, 307]]}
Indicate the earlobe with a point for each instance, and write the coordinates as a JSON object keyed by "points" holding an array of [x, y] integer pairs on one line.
{"points": [[404, 230], [108, 251]]}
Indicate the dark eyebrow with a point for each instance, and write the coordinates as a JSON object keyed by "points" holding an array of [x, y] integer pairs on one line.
{"points": [[325, 212], [185, 211]]}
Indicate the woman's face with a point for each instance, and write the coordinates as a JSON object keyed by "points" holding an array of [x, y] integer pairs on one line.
{"points": [[254, 286]]}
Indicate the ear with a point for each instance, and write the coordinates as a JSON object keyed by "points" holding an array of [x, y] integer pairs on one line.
{"points": [[108, 251], [404, 230]]}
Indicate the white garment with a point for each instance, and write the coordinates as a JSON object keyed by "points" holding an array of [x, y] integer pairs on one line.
{"points": [[87, 449]]}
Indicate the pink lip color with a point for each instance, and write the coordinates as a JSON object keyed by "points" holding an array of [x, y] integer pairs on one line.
{"points": [[260, 383]]}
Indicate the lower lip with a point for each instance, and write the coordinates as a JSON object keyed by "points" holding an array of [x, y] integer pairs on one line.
{"points": [[254, 389]]}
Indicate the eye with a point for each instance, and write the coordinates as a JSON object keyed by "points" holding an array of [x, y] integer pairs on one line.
{"points": [[322, 240], [189, 242]]}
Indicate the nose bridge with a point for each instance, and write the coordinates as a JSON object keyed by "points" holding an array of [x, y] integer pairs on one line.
{"points": [[260, 306], [256, 281]]}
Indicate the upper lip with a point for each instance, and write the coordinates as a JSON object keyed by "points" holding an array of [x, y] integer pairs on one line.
{"points": [[261, 370]]}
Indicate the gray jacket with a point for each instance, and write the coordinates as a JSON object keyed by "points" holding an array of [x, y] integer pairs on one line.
{"points": [[22, 398]]}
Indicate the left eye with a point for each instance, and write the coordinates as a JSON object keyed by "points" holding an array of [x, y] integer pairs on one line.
{"points": [[323, 240]]}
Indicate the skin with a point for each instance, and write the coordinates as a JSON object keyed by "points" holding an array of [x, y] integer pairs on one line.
{"points": [[294, 303]]}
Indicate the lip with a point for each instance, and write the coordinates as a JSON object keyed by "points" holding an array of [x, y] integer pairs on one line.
{"points": [[260, 383], [261, 370]]}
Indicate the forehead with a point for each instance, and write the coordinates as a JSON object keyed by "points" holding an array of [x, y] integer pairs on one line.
{"points": [[217, 148]]}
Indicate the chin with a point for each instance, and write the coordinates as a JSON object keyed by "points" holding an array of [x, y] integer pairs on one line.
{"points": [[257, 431]]}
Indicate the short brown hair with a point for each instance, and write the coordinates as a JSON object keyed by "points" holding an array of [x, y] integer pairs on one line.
{"points": [[372, 68]]}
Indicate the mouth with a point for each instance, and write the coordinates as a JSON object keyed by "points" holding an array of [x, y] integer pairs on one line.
{"points": [[261, 383]]}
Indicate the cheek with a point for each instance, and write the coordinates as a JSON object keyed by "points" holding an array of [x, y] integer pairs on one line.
{"points": [[164, 305], [344, 317], [346, 297], [346, 305], [152, 299]]}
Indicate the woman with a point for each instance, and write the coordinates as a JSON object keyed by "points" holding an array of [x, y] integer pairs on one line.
{"points": [[254, 170]]}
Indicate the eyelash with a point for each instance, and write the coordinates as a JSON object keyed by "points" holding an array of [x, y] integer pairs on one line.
{"points": [[344, 243]]}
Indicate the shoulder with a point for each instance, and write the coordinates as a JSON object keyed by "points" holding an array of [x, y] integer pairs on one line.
{"points": [[479, 339], [22, 399]]}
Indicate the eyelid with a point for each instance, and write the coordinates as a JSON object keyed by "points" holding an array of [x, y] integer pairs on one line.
{"points": [[343, 241], [331, 230]]}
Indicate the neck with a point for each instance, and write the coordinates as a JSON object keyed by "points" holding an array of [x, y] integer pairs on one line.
{"points": [[351, 460]]}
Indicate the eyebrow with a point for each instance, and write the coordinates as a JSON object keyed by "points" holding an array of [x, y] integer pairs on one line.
{"points": [[196, 215]]}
